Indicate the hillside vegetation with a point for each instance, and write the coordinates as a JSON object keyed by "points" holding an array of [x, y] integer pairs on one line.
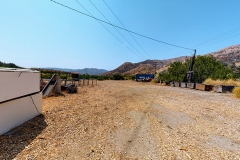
{"points": [[8, 65]]}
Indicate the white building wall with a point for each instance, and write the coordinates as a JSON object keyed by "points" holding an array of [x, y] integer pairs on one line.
{"points": [[16, 84], [14, 111]]}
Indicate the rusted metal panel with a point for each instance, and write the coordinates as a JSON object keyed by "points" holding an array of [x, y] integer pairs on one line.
{"points": [[223, 89], [208, 87], [177, 84], [200, 86], [203, 87], [191, 85], [183, 85]]}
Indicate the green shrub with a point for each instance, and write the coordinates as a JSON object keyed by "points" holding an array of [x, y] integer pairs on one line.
{"points": [[100, 78], [204, 67], [118, 77]]}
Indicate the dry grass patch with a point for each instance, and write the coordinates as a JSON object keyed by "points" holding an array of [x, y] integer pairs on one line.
{"points": [[153, 81], [229, 82]]}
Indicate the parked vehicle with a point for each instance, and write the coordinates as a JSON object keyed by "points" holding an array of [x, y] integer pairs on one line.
{"points": [[144, 77]]}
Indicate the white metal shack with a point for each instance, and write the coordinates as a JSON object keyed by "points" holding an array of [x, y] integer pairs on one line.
{"points": [[20, 97]]}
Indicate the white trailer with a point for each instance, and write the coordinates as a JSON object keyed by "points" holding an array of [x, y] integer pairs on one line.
{"points": [[20, 97]]}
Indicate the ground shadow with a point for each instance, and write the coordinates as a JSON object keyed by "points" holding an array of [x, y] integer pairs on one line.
{"points": [[14, 141]]}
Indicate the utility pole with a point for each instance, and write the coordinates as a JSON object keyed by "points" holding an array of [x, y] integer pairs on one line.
{"points": [[188, 76], [155, 67]]}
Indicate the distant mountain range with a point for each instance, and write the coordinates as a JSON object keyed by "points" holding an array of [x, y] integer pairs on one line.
{"points": [[229, 55], [90, 71]]}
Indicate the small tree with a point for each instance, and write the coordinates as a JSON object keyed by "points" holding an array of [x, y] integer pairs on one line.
{"points": [[204, 67], [133, 77]]}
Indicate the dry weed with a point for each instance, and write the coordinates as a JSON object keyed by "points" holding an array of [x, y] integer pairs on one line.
{"points": [[229, 82], [236, 92], [153, 81]]}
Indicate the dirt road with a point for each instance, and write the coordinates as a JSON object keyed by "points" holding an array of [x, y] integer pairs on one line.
{"points": [[130, 120]]}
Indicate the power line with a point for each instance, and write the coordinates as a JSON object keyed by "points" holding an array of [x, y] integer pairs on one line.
{"points": [[109, 30], [126, 28], [218, 37], [219, 41], [211, 40], [121, 27], [115, 28]]}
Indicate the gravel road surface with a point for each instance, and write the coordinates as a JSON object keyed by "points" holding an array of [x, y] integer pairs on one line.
{"points": [[130, 120]]}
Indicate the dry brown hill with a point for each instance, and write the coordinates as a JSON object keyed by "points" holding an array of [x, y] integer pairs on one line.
{"points": [[147, 66], [228, 55]]}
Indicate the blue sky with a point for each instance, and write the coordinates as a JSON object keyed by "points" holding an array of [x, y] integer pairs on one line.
{"points": [[41, 33]]}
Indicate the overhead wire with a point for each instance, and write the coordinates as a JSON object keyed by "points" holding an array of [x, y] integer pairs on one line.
{"points": [[219, 41], [173, 45], [109, 30], [115, 27], [211, 40], [219, 36], [126, 28]]}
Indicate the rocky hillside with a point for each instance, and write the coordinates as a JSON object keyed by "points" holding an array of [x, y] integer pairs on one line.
{"points": [[147, 66], [228, 55]]}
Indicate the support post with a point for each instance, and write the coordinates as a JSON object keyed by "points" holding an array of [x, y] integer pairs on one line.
{"points": [[57, 87], [66, 79], [155, 67]]}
